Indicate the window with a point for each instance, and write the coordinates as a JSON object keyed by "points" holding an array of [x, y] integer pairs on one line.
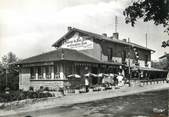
{"points": [[32, 72], [146, 60], [56, 71], [40, 71], [48, 72], [110, 54], [124, 56]]}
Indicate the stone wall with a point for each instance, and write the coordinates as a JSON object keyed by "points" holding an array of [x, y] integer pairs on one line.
{"points": [[52, 84], [24, 79]]}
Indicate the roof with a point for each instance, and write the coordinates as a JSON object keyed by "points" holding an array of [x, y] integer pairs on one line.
{"points": [[110, 63], [99, 37], [58, 55], [151, 69], [166, 55]]}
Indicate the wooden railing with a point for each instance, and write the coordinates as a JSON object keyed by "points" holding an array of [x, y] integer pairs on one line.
{"points": [[149, 81], [153, 81]]}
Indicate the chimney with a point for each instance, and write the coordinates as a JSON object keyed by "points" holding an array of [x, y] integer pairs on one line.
{"points": [[116, 35], [124, 40], [104, 34], [69, 28]]}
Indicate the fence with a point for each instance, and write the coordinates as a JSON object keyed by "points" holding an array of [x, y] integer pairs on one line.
{"points": [[148, 82]]}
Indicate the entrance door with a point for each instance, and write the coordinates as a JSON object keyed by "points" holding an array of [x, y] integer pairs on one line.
{"points": [[94, 70]]}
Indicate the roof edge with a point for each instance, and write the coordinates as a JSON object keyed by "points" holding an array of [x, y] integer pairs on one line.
{"points": [[108, 39]]}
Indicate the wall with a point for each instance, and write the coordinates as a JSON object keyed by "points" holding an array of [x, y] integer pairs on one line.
{"points": [[99, 49], [52, 84], [100, 52], [25, 82], [95, 52], [24, 79]]}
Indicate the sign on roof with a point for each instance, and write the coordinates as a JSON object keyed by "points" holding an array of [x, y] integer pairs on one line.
{"points": [[78, 42]]}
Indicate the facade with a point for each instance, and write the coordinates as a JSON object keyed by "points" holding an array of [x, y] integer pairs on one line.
{"points": [[105, 48], [164, 60], [81, 52]]}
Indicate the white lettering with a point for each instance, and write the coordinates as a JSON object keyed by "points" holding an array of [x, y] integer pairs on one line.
{"points": [[78, 43]]}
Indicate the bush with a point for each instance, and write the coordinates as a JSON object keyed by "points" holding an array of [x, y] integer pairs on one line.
{"points": [[46, 89], [34, 95], [20, 95], [31, 88]]}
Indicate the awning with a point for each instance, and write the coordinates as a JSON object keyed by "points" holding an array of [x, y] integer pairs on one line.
{"points": [[148, 69], [111, 63]]}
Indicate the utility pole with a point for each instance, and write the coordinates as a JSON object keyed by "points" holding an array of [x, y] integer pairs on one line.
{"points": [[6, 78], [116, 22], [129, 53], [146, 40]]}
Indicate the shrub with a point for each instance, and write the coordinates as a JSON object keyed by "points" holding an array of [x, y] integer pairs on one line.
{"points": [[41, 95], [49, 94], [31, 88], [46, 89], [20, 95], [41, 89], [34, 95]]}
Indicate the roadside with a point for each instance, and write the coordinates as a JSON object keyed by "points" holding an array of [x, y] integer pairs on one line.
{"points": [[83, 97]]}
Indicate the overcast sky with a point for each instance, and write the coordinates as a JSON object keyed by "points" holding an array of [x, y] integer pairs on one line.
{"points": [[30, 27]]}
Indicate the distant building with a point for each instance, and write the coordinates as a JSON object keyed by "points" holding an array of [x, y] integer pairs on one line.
{"points": [[165, 56], [80, 52], [165, 61]]}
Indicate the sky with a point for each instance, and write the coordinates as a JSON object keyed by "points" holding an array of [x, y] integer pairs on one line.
{"points": [[30, 27]]}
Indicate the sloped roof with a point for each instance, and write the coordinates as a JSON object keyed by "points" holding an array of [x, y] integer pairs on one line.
{"points": [[97, 36], [151, 69], [58, 55]]}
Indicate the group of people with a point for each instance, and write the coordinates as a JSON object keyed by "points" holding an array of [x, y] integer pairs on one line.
{"points": [[108, 80], [114, 79]]}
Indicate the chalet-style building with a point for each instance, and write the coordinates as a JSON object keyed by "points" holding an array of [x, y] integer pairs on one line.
{"points": [[80, 52]]}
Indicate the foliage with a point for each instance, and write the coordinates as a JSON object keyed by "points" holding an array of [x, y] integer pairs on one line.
{"points": [[150, 10], [8, 60], [165, 44], [21, 95], [9, 72]]}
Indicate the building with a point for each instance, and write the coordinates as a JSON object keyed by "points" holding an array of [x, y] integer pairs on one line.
{"points": [[164, 61], [165, 56], [80, 52]]}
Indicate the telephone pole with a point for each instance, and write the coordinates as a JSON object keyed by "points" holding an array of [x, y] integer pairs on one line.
{"points": [[146, 40], [116, 22], [129, 54]]}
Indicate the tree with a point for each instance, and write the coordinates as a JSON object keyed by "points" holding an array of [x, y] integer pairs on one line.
{"points": [[150, 10], [8, 68], [9, 59]]}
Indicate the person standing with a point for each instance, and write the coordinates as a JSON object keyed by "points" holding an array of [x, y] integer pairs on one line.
{"points": [[87, 84], [167, 79]]}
